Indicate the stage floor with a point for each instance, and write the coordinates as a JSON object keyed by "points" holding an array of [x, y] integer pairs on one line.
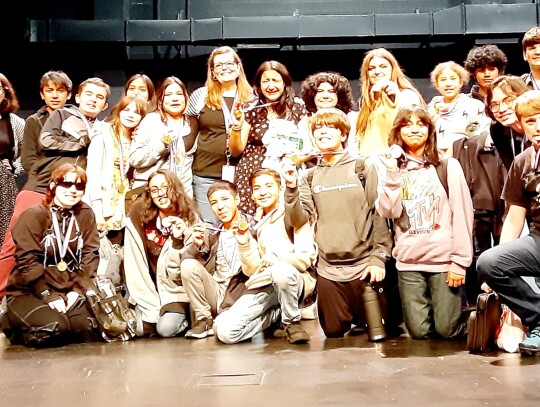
{"points": [[266, 372]]}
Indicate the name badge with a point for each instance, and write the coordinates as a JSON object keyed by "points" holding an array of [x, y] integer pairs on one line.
{"points": [[227, 173]]}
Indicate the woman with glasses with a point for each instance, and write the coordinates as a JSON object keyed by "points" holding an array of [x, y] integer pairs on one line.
{"points": [[225, 91], [158, 227], [485, 160], [267, 130], [456, 114], [164, 136], [56, 256], [11, 136]]}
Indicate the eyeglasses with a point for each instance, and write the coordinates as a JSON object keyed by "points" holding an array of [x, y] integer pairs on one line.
{"points": [[229, 65], [507, 101], [155, 192], [79, 186]]}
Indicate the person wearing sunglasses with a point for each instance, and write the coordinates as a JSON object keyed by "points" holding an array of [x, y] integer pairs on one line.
{"points": [[56, 256], [158, 227]]}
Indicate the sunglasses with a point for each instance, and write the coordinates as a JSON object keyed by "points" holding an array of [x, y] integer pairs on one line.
{"points": [[79, 186]]}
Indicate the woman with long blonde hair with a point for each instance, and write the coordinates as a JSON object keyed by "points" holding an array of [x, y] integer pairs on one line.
{"points": [[226, 90], [385, 88]]}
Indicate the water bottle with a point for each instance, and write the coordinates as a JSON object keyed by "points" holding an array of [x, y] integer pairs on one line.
{"points": [[374, 318]]}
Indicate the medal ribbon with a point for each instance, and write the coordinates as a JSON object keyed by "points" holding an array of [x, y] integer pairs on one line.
{"points": [[62, 243]]}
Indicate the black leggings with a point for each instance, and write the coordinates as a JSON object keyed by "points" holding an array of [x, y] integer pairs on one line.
{"points": [[33, 323]]}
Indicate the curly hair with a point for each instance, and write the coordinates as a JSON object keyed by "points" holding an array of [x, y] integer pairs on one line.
{"points": [[486, 56], [439, 68], [183, 206], [341, 86]]}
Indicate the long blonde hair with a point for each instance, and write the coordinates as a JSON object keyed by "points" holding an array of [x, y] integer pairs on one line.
{"points": [[215, 92], [367, 102]]}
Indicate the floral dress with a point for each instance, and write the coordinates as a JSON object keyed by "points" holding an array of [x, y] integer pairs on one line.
{"points": [[255, 151]]}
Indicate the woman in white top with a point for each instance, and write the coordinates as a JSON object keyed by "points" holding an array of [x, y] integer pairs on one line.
{"points": [[164, 136]]}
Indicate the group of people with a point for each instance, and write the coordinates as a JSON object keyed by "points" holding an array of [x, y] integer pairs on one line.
{"points": [[241, 208]]}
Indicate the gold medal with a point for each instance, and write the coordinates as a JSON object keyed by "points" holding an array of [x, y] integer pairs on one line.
{"points": [[176, 159], [121, 188], [167, 139], [62, 266]]}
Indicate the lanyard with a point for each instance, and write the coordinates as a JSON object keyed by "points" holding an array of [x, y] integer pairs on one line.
{"points": [[535, 156], [63, 243], [264, 219]]}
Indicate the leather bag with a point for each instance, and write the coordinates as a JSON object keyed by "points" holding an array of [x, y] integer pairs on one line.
{"points": [[483, 323]]}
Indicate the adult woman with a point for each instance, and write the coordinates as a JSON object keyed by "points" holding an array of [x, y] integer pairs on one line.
{"points": [[385, 88], [433, 228], [225, 89], [281, 113], [158, 225], [141, 84], [108, 164], [11, 136], [56, 256], [164, 136], [456, 115]]}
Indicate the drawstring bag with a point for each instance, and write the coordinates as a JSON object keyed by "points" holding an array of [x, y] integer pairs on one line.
{"points": [[116, 320], [510, 332]]}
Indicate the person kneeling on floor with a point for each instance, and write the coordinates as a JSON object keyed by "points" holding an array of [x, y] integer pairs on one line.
{"points": [[278, 264]]}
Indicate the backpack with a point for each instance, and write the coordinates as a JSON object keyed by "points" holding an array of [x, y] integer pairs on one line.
{"points": [[442, 172]]}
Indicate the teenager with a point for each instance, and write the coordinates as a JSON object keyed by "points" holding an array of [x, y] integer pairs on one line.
{"points": [[210, 265], [485, 64], [503, 266], [353, 240], [530, 44], [281, 256], [56, 256], [432, 227], [157, 228], [64, 138]]}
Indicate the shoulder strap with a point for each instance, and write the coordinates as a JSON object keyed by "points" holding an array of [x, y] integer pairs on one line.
{"points": [[359, 169], [443, 174]]}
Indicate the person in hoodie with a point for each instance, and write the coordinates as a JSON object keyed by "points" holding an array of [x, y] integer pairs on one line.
{"points": [[353, 240], [433, 228], [277, 263], [58, 133]]}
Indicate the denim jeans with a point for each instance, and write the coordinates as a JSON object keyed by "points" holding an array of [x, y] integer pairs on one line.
{"points": [[503, 267], [200, 188], [253, 313], [430, 305]]}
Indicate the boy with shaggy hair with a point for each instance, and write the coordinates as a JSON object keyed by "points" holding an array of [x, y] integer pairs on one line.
{"points": [[485, 64]]}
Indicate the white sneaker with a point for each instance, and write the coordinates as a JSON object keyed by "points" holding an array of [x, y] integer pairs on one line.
{"points": [[309, 312]]}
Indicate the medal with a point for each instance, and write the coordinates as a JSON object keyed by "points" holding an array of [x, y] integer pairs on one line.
{"points": [[121, 188], [177, 160], [167, 139], [62, 266]]}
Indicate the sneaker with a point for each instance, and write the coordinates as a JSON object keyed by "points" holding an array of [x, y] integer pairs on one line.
{"points": [[279, 330], [531, 344], [201, 329], [296, 333]]}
